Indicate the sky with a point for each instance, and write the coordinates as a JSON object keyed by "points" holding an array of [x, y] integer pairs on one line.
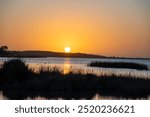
{"points": [[104, 27]]}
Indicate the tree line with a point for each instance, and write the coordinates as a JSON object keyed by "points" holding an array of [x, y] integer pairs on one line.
{"points": [[3, 50]]}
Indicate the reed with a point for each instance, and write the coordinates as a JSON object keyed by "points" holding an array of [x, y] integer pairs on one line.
{"points": [[125, 65]]}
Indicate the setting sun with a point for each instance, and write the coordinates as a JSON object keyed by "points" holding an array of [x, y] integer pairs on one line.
{"points": [[67, 49]]}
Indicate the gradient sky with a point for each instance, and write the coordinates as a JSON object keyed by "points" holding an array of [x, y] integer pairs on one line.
{"points": [[105, 27]]}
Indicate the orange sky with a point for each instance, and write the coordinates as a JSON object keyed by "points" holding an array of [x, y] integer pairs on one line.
{"points": [[106, 27]]}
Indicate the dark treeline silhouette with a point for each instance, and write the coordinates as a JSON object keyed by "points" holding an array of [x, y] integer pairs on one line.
{"points": [[3, 51], [32, 54], [17, 81], [35, 54], [125, 65], [3, 48], [38, 53]]}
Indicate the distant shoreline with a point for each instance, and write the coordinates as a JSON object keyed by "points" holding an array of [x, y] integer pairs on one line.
{"points": [[45, 54]]}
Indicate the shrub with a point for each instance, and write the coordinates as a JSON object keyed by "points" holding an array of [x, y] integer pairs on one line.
{"points": [[14, 71]]}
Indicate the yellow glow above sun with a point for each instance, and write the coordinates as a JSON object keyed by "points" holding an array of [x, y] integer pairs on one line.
{"points": [[67, 49]]}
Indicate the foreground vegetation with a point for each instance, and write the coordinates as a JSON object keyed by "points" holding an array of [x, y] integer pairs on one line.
{"points": [[125, 65], [17, 81]]}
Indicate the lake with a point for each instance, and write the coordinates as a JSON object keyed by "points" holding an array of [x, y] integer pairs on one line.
{"points": [[75, 64]]}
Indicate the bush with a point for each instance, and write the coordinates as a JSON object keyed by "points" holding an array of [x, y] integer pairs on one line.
{"points": [[14, 71]]}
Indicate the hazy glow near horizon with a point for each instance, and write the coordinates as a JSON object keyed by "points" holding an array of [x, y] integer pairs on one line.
{"points": [[105, 27]]}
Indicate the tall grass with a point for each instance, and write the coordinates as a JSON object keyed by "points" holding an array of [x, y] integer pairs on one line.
{"points": [[125, 65], [52, 83]]}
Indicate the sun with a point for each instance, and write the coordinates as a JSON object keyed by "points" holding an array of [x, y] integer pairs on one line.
{"points": [[67, 49]]}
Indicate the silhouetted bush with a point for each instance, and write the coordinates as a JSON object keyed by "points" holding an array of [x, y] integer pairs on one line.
{"points": [[126, 65], [14, 71]]}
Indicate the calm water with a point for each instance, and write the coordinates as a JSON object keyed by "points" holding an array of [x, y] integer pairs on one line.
{"points": [[75, 64]]}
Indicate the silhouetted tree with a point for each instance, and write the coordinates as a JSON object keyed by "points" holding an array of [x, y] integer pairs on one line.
{"points": [[3, 48]]}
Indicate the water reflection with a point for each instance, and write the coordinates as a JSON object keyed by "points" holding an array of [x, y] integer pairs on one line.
{"points": [[2, 97], [27, 95], [66, 68]]}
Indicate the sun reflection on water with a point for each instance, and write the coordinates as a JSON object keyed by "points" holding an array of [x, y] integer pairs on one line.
{"points": [[66, 68]]}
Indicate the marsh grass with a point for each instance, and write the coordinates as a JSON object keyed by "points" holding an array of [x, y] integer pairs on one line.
{"points": [[53, 83], [125, 65]]}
